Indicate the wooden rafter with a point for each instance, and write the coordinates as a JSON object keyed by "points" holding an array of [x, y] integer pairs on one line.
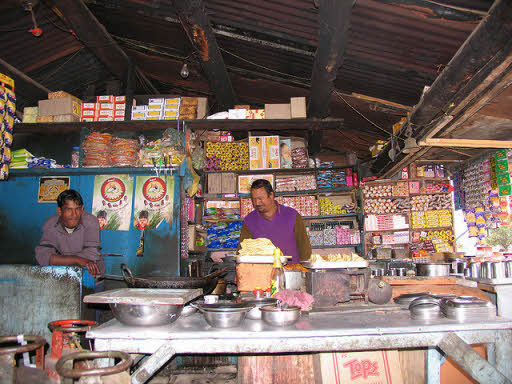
{"points": [[464, 143], [333, 23], [93, 35], [196, 23]]}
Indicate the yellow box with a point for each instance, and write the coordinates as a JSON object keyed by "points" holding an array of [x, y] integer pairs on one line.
{"points": [[264, 152], [255, 114]]}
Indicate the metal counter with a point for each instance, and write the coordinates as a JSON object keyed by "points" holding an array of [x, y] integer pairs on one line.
{"points": [[348, 332]]}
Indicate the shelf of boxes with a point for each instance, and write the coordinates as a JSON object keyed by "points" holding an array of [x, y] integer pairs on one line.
{"points": [[297, 189], [404, 207]]}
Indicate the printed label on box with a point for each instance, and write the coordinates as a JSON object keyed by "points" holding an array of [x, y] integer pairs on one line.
{"points": [[90, 106], [105, 106], [105, 99]]}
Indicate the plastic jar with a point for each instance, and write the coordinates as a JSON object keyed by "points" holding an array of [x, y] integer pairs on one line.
{"points": [[75, 157]]}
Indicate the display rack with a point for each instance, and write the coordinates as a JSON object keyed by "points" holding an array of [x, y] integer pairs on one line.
{"points": [[404, 201]]}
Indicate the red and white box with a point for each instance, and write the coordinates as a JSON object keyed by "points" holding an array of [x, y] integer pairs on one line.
{"points": [[87, 119], [119, 113], [105, 99], [91, 113], [106, 106], [93, 106], [106, 113], [120, 106], [119, 118], [119, 99], [105, 119]]}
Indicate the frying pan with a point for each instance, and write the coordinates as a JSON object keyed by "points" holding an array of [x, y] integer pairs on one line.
{"points": [[207, 283]]}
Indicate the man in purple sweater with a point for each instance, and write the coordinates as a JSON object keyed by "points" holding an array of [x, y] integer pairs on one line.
{"points": [[282, 225], [72, 236]]}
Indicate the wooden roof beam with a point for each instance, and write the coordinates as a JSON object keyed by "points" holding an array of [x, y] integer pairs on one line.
{"points": [[93, 35], [480, 63], [333, 23], [196, 23]]}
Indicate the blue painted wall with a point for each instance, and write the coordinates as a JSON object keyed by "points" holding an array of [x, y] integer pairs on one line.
{"points": [[22, 217]]}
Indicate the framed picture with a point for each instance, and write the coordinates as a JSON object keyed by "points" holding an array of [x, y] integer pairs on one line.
{"points": [[50, 188]]}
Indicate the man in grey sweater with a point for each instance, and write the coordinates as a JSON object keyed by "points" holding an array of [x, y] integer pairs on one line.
{"points": [[71, 237]]}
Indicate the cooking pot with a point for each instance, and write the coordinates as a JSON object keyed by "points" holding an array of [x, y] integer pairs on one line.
{"points": [[433, 269], [206, 283]]}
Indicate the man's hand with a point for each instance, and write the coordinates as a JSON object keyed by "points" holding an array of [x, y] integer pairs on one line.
{"points": [[70, 260], [91, 266]]}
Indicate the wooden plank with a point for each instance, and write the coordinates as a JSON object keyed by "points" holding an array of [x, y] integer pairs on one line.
{"points": [[276, 369], [439, 289], [474, 364], [196, 23], [418, 280], [333, 24], [465, 143], [412, 364]]}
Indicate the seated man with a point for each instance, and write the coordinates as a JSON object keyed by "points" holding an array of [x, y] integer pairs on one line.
{"points": [[71, 237]]}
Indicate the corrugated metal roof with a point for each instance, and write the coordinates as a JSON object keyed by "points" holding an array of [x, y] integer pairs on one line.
{"points": [[394, 48]]}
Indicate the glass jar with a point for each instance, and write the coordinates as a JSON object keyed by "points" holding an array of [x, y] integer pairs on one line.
{"points": [[75, 157]]}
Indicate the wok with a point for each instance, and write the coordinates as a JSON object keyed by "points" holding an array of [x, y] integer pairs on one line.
{"points": [[207, 283]]}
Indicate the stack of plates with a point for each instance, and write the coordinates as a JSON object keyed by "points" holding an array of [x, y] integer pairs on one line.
{"points": [[404, 300], [425, 308], [467, 308]]}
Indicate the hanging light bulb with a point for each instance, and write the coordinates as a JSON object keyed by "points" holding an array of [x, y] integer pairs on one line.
{"points": [[184, 71]]}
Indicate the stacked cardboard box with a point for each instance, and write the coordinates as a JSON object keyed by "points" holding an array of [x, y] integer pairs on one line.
{"points": [[60, 107], [184, 108], [30, 114], [296, 109], [106, 108]]}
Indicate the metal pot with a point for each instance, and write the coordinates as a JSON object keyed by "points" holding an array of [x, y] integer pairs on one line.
{"points": [[508, 268], [486, 270], [498, 270], [255, 313], [433, 269], [224, 315], [133, 314], [280, 316]]}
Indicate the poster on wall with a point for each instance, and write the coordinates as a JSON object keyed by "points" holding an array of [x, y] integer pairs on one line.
{"points": [[112, 201], [153, 201], [50, 188]]}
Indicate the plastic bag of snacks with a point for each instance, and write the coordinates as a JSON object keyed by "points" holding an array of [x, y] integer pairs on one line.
{"points": [[124, 152], [7, 115], [97, 150]]}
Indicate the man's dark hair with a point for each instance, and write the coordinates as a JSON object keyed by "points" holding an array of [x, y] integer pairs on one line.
{"points": [[102, 214], [69, 194], [143, 215], [262, 183]]}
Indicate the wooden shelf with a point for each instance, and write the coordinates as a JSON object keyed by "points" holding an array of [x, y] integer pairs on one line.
{"points": [[329, 216], [280, 170], [82, 171], [335, 246]]}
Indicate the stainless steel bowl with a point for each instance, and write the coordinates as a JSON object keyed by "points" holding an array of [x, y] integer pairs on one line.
{"points": [[145, 315], [224, 315], [255, 313], [280, 317], [433, 269]]}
